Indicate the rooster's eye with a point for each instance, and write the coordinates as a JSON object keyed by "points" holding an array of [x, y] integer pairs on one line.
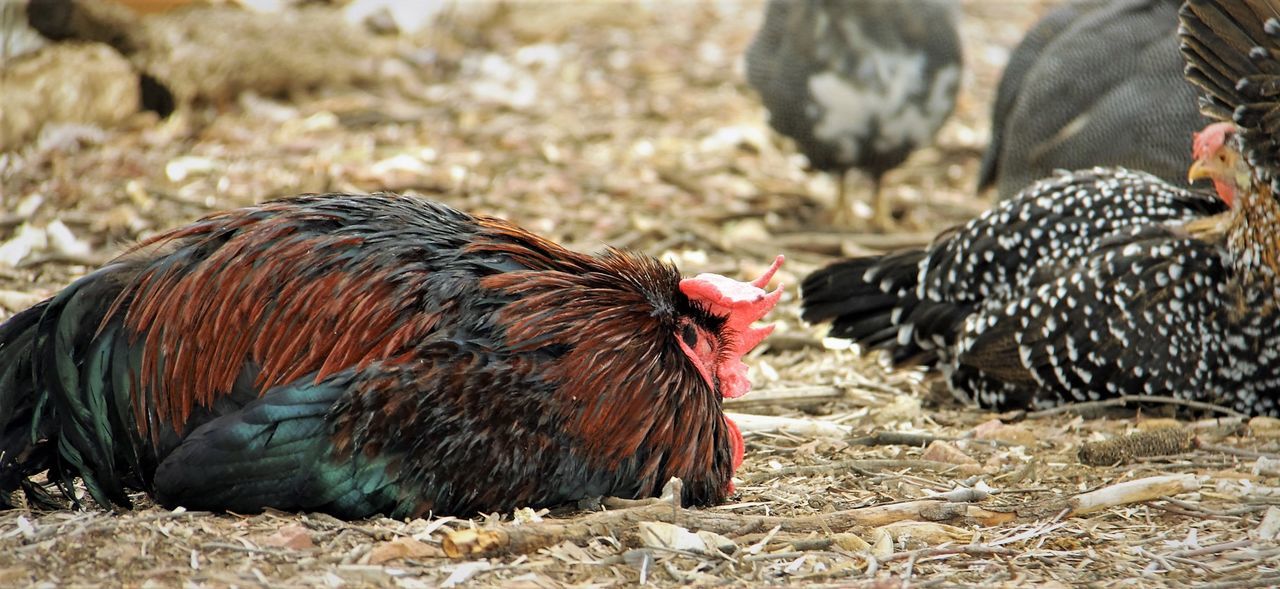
{"points": [[689, 335]]}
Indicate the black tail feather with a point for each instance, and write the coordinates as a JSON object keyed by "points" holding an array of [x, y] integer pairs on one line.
{"points": [[874, 302], [59, 403], [864, 298], [936, 323], [25, 416]]}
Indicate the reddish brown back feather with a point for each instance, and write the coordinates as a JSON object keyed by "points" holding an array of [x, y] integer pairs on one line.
{"points": [[258, 297], [527, 249]]}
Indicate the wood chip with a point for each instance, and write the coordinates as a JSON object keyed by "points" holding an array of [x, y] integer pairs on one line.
{"points": [[1012, 433], [402, 548], [292, 536], [940, 451]]}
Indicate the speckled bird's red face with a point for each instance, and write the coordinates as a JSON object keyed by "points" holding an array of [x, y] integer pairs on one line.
{"points": [[1216, 159]]}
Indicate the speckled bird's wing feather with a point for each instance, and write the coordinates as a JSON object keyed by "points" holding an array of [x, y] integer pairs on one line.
{"points": [[1057, 221], [1153, 314], [913, 303], [1060, 219]]}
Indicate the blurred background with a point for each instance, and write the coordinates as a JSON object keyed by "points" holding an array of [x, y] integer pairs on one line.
{"points": [[622, 123]]}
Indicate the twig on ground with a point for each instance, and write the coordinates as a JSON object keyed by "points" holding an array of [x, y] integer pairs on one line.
{"points": [[530, 537], [1128, 399], [246, 549], [889, 438], [13, 220], [749, 423], [971, 550], [1181, 510], [789, 342], [787, 555], [112, 523], [1230, 451], [788, 396], [1215, 548], [867, 465], [1271, 580], [89, 259], [1136, 491], [1232, 514], [898, 439]]}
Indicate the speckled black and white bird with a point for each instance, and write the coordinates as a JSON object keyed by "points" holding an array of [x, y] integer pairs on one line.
{"points": [[1093, 83], [1184, 309], [857, 84], [914, 303]]}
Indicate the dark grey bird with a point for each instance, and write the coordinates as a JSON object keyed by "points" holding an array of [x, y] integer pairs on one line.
{"points": [[857, 84], [1094, 83]]}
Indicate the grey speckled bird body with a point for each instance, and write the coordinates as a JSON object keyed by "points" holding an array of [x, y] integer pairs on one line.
{"points": [[1159, 313], [857, 84], [1088, 285], [1093, 84], [915, 303]]}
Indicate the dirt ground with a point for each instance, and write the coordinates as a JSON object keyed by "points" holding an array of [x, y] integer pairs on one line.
{"points": [[630, 124]]}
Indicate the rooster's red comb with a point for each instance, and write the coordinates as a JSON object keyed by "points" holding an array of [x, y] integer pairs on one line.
{"points": [[741, 304]]}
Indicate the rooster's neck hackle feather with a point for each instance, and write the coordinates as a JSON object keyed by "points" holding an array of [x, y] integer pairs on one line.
{"points": [[625, 328], [1253, 234]]}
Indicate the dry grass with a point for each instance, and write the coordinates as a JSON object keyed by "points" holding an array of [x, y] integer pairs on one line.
{"points": [[629, 125]]}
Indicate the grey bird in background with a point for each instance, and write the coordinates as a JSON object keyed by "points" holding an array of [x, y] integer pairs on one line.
{"points": [[857, 84]]}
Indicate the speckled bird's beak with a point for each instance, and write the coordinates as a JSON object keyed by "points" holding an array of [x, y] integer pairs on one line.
{"points": [[1199, 170]]}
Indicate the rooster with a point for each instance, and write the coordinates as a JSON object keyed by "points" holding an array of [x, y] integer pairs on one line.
{"points": [[857, 84], [375, 354], [1183, 309]]}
